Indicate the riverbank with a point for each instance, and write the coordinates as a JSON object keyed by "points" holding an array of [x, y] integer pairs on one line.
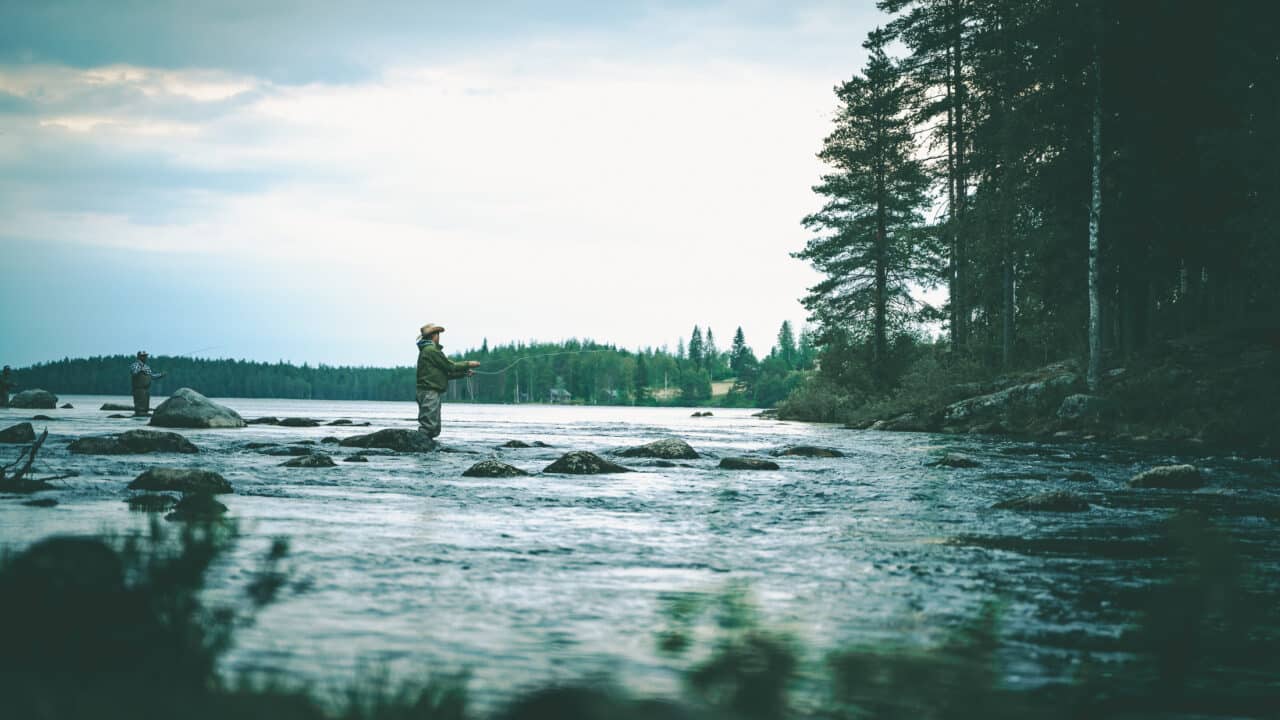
{"points": [[1209, 391]]}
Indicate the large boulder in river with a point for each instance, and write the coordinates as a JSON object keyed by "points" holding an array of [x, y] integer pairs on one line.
{"points": [[392, 439], [492, 469], [581, 462], [747, 463], [183, 480], [20, 433], [667, 449], [187, 408], [34, 400], [133, 442], [1172, 477], [1046, 502]]}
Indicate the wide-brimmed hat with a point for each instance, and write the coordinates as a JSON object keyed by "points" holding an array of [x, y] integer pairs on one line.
{"points": [[429, 329], [143, 353]]}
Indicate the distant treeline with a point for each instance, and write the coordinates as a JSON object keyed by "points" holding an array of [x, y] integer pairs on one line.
{"points": [[572, 371]]}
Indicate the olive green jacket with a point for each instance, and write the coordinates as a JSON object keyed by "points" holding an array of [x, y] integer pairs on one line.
{"points": [[434, 369]]}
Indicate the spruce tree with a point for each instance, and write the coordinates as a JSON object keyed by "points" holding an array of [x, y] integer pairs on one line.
{"points": [[869, 249]]}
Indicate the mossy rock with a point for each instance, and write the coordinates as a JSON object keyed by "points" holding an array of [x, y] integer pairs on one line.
{"points": [[666, 448], [183, 480], [581, 462], [747, 463]]}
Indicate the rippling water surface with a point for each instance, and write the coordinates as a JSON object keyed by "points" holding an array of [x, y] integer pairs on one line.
{"points": [[414, 568]]}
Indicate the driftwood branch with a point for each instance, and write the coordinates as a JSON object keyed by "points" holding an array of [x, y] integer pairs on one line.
{"points": [[29, 454]]}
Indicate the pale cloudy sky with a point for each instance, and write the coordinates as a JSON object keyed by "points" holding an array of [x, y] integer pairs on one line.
{"points": [[311, 180]]}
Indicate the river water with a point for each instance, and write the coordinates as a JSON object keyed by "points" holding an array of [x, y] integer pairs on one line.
{"points": [[414, 569]]}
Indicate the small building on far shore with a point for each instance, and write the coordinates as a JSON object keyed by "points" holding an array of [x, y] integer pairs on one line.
{"points": [[560, 396]]}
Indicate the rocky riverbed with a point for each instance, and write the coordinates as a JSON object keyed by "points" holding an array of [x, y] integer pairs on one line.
{"points": [[845, 536]]}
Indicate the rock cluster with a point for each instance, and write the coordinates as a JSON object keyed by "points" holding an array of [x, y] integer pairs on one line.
{"points": [[197, 506]]}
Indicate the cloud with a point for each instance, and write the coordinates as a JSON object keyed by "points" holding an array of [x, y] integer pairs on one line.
{"points": [[544, 184]]}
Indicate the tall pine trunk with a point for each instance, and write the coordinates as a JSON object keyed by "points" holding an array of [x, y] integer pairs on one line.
{"points": [[1095, 214]]}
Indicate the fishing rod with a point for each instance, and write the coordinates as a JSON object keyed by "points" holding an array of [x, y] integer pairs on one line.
{"points": [[534, 357]]}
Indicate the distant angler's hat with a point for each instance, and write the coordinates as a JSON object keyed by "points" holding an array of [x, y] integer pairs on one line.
{"points": [[142, 353], [430, 329]]}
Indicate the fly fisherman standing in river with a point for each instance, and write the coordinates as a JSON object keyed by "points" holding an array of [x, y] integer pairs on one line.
{"points": [[434, 373], [142, 375]]}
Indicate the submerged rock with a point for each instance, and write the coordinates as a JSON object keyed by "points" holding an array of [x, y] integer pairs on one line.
{"points": [[197, 506], [20, 433], [539, 443], [810, 451], [492, 469], [151, 502], [581, 462], [392, 439], [747, 463], [329, 440], [299, 422], [116, 407], [133, 442], [183, 480], [263, 421], [1046, 502], [314, 460], [341, 421], [35, 399], [358, 457], [287, 451], [1080, 476], [515, 444], [1171, 477], [666, 448], [118, 416], [42, 502], [45, 418], [68, 406], [187, 408], [954, 460], [702, 414]]}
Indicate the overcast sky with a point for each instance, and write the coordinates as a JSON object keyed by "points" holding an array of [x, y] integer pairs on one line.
{"points": [[311, 180]]}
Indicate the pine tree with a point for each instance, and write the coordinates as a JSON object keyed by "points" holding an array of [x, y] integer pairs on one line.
{"points": [[787, 344], [738, 353], [696, 347], [870, 251]]}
